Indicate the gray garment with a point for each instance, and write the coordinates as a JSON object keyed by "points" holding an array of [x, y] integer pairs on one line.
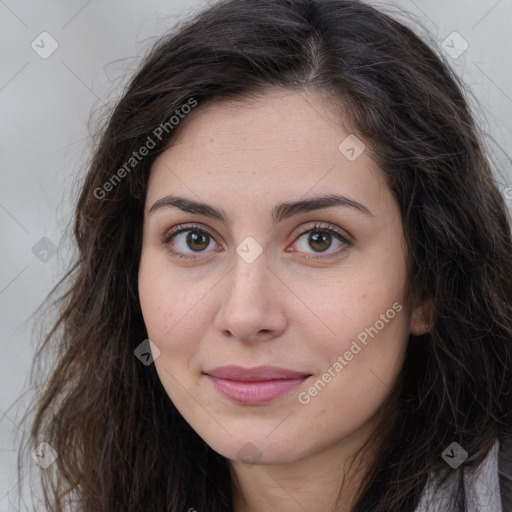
{"points": [[481, 491]]}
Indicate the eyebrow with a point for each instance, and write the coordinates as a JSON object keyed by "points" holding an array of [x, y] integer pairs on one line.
{"points": [[281, 211]]}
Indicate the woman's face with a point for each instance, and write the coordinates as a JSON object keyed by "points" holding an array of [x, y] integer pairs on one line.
{"points": [[254, 279]]}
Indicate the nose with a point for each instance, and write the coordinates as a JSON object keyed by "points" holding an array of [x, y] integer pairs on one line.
{"points": [[252, 302]]}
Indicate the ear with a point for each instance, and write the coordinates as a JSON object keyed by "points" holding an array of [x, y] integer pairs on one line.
{"points": [[421, 319]]}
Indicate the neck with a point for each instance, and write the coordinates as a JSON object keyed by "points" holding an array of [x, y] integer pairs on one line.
{"points": [[327, 480]]}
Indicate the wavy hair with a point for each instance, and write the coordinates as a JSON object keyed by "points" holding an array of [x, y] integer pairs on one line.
{"points": [[122, 444]]}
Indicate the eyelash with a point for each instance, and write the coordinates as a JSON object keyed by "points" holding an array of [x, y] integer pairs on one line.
{"points": [[317, 227]]}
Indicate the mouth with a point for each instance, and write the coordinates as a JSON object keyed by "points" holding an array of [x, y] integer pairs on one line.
{"points": [[254, 385]]}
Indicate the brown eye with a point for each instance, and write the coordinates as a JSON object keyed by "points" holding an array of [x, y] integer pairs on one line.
{"points": [[320, 240], [187, 241], [197, 240]]}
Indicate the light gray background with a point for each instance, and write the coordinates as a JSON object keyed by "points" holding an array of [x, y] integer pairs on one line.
{"points": [[45, 107]]}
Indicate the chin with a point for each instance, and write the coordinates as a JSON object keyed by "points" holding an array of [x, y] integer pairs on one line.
{"points": [[256, 449]]}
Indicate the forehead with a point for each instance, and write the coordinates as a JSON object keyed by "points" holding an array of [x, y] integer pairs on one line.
{"points": [[283, 145]]}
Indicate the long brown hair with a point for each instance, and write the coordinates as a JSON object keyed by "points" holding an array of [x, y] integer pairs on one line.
{"points": [[121, 443]]}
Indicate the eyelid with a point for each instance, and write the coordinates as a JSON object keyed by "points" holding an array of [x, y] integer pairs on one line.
{"points": [[295, 234], [185, 227], [344, 238], [180, 228], [319, 226]]}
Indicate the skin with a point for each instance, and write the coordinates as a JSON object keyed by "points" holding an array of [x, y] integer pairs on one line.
{"points": [[281, 309]]}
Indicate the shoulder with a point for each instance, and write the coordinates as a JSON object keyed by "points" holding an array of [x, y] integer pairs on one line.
{"points": [[505, 473]]}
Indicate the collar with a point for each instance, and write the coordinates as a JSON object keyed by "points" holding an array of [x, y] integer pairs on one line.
{"points": [[481, 491]]}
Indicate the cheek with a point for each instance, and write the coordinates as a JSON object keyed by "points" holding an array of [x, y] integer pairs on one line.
{"points": [[364, 349], [363, 305], [171, 322], [175, 315], [164, 300], [364, 323], [362, 354], [155, 303]]}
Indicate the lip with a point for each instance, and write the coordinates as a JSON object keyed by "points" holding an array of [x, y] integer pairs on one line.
{"points": [[254, 385], [256, 374]]}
